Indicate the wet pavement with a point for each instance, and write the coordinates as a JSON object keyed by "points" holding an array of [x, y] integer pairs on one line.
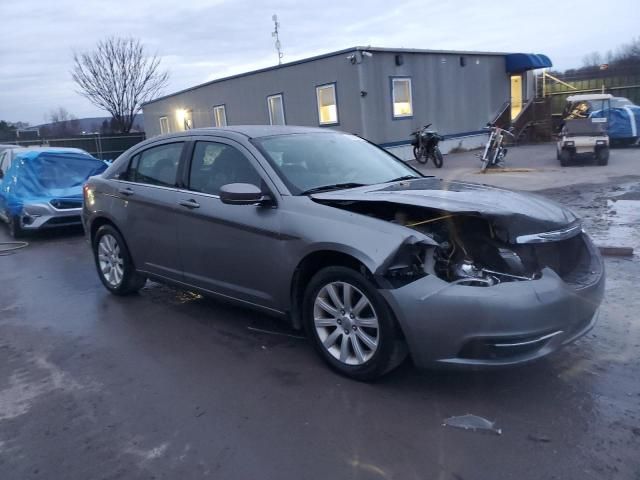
{"points": [[167, 384]]}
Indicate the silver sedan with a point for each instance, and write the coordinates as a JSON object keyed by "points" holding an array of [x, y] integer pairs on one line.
{"points": [[375, 261]]}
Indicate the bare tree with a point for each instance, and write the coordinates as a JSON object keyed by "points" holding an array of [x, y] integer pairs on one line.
{"points": [[62, 122], [118, 76], [593, 59]]}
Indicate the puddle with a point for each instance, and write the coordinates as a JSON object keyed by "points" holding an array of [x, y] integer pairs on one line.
{"points": [[620, 225]]}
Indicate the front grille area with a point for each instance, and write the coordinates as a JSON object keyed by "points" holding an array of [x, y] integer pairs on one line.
{"points": [[574, 259], [66, 203], [59, 221]]}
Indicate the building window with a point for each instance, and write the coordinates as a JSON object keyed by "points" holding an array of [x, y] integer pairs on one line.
{"points": [[401, 92], [188, 119], [275, 104], [219, 116], [164, 125], [327, 104], [184, 119]]}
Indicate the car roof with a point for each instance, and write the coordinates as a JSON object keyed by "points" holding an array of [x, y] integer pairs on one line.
{"points": [[32, 154], [52, 149], [257, 131], [589, 96]]}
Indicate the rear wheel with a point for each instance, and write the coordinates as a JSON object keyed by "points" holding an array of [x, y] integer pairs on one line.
{"points": [[437, 158], [113, 261], [351, 325]]}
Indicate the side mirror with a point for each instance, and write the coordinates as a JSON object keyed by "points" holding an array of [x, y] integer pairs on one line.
{"points": [[241, 194]]}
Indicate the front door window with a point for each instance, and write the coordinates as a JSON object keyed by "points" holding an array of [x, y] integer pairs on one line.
{"points": [[217, 164]]}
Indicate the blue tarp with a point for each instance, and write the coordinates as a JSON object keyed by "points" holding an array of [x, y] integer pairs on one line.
{"points": [[43, 176], [623, 122], [521, 62]]}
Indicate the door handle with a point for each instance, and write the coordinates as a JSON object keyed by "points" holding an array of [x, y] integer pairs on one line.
{"points": [[191, 203], [125, 191]]}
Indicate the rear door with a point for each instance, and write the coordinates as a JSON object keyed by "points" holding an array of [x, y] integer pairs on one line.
{"points": [[145, 208], [232, 250]]}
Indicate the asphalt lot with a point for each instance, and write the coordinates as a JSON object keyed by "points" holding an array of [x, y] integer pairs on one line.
{"points": [[167, 384]]}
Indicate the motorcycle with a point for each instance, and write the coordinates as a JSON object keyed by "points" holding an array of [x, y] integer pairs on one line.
{"points": [[494, 151], [425, 146]]}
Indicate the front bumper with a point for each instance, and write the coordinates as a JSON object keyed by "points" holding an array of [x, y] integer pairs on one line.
{"points": [[39, 216], [506, 324]]}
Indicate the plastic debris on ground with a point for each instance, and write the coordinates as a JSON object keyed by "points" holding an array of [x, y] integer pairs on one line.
{"points": [[472, 422]]}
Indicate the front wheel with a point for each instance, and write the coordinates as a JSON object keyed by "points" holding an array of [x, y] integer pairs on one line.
{"points": [[114, 264], [485, 160], [351, 325], [565, 158], [419, 154], [15, 228], [602, 156], [437, 158]]}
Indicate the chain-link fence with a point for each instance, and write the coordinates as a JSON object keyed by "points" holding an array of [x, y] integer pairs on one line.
{"points": [[105, 147]]}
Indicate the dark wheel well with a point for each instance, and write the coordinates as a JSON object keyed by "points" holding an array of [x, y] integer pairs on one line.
{"points": [[308, 267], [97, 223]]}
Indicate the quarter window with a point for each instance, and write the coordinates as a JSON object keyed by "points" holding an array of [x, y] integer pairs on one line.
{"points": [[275, 103], [219, 116], [402, 102], [156, 166], [327, 104], [217, 164], [164, 125]]}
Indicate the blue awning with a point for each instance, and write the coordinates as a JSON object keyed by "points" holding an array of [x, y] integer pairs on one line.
{"points": [[521, 62]]}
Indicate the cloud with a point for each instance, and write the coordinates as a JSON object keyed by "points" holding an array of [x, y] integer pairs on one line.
{"points": [[200, 40]]}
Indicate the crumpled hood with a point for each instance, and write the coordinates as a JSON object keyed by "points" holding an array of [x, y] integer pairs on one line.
{"points": [[514, 213]]}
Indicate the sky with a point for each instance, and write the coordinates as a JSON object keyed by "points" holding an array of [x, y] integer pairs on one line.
{"points": [[200, 40]]}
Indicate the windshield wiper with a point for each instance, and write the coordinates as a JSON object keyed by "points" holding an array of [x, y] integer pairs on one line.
{"points": [[335, 186], [404, 177]]}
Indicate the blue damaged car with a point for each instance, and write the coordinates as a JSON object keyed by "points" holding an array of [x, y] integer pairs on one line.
{"points": [[42, 187]]}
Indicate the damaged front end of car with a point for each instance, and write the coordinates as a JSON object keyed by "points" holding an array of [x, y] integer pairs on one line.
{"points": [[507, 295], [469, 249]]}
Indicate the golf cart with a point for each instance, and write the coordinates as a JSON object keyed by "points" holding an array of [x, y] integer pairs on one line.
{"points": [[583, 137]]}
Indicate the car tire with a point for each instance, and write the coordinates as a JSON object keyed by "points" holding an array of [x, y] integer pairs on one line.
{"points": [[565, 158], [437, 157], [420, 155], [15, 229], [602, 156], [359, 360], [113, 262]]}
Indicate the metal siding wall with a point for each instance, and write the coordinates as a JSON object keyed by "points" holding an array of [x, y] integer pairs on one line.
{"points": [[455, 99], [245, 98]]}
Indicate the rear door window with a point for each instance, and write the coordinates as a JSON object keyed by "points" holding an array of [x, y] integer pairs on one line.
{"points": [[156, 165]]}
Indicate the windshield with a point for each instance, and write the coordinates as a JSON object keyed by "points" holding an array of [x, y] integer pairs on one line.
{"points": [[312, 160]]}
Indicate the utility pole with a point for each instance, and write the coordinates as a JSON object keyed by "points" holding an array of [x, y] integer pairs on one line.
{"points": [[275, 35]]}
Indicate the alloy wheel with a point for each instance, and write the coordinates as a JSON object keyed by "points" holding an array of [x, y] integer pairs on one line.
{"points": [[346, 323], [110, 260]]}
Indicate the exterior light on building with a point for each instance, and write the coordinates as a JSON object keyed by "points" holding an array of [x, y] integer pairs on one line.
{"points": [[180, 115]]}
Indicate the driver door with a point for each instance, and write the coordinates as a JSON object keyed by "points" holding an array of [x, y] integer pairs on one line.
{"points": [[231, 250]]}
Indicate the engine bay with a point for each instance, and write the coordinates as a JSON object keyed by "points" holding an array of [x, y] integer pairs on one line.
{"points": [[468, 249]]}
